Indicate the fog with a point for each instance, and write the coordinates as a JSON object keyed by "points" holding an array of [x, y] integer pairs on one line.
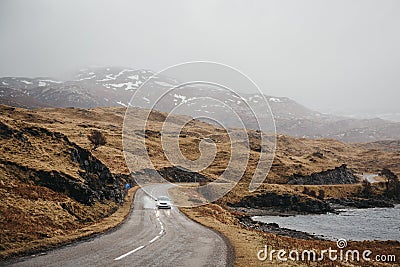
{"points": [[336, 56]]}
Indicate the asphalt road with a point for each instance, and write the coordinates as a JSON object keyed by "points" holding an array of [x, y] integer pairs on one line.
{"points": [[149, 237]]}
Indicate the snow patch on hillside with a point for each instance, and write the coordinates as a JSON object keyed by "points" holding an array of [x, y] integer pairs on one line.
{"points": [[274, 99], [122, 104]]}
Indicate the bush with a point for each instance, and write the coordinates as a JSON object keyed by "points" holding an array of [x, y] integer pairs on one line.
{"points": [[313, 194], [392, 183], [309, 192], [306, 191], [366, 190], [321, 194], [97, 139]]}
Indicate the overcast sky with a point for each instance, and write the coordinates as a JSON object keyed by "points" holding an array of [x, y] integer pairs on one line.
{"points": [[341, 55]]}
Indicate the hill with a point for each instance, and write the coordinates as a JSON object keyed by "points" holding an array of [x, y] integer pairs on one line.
{"points": [[115, 86], [52, 183], [50, 187]]}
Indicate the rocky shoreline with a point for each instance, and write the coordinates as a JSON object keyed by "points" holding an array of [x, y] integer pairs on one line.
{"points": [[283, 203], [335, 206], [332, 205], [274, 228], [360, 203]]}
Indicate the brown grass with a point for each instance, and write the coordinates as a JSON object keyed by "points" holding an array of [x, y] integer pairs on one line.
{"points": [[70, 235], [292, 156]]}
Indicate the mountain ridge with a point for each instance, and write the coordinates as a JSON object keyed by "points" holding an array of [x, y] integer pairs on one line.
{"points": [[115, 86]]}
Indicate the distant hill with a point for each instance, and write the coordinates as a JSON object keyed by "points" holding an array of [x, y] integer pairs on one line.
{"points": [[112, 86]]}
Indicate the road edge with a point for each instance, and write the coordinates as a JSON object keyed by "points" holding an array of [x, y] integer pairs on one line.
{"points": [[231, 253]]}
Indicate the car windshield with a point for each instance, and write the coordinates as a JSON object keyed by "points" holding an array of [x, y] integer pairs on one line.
{"points": [[163, 199]]}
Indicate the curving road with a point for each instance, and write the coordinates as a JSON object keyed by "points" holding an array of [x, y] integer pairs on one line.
{"points": [[149, 237]]}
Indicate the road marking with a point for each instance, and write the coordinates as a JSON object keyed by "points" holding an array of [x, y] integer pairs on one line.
{"points": [[157, 213], [129, 253], [154, 239]]}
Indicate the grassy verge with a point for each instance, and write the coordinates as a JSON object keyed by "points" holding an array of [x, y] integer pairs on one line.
{"points": [[100, 227], [243, 241]]}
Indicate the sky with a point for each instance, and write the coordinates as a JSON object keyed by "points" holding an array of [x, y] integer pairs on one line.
{"points": [[340, 56]]}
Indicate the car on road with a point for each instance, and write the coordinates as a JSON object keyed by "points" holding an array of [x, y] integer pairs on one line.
{"points": [[163, 202]]}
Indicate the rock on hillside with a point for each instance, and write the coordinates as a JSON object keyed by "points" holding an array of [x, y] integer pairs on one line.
{"points": [[175, 174], [92, 182], [49, 186], [283, 203], [339, 175]]}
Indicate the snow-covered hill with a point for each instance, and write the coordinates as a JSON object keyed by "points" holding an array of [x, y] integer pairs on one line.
{"points": [[111, 86]]}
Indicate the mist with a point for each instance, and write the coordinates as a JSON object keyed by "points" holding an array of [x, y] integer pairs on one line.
{"points": [[331, 56]]}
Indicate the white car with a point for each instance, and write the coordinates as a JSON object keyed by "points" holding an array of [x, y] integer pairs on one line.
{"points": [[163, 202]]}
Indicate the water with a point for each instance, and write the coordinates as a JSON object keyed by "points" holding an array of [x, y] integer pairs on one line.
{"points": [[350, 224]]}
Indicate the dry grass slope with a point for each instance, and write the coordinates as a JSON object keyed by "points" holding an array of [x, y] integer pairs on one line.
{"points": [[33, 213]]}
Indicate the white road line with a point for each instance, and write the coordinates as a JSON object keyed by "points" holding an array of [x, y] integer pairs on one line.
{"points": [[151, 241], [129, 253], [154, 239]]}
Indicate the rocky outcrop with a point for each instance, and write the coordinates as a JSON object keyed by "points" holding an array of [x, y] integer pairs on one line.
{"points": [[339, 175], [98, 177], [93, 182], [247, 222], [175, 174], [360, 203], [284, 203]]}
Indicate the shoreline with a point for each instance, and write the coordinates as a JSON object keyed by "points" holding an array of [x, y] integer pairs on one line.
{"points": [[248, 238], [273, 227], [336, 205]]}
